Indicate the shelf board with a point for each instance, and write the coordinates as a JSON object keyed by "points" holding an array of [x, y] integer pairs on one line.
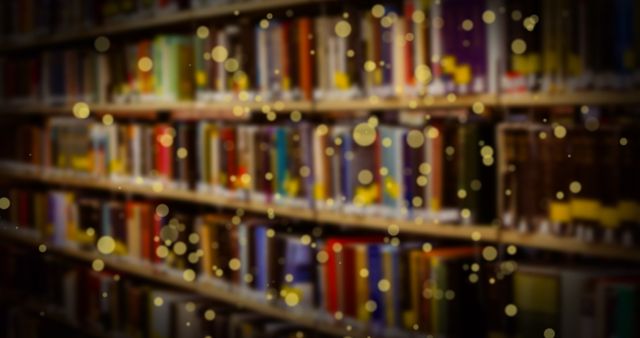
{"points": [[570, 99], [162, 20], [415, 226], [569, 245], [224, 109]]}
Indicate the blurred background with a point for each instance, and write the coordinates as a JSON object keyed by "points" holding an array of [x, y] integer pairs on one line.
{"points": [[319, 168]]}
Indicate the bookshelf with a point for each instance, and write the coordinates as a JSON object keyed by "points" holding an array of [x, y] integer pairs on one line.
{"points": [[188, 89], [477, 232], [229, 294]]}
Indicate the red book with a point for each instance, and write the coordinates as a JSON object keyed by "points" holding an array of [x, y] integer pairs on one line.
{"points": [[158, 222], [228, 137], [164, 155], [334, 262], [408, 46], [146, 231]]}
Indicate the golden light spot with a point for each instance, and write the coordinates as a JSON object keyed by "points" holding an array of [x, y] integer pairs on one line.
{"points": [[478, 108], [384, 171], [559, 131], [322, 257], [529, 23], [475, 267], [102, 44], [97, 265], [393, 229], [549, 333], [106, 245], [432, 132], [268, 176], [415, 139], [423, 74], [305, 239], [465, 213], [386, 21], [624, 141], [364, 273], [518, 46], [489, 253], [427, 247], [158, 301], [162, 210], [219, 54], [370, 306], [560, 195], [488, 17], [476, 236], [231, 65], [288, 278], [476, 185], [486, 151], [209, 315], [369, 66], [202, 32], [364, 135], [384, 285], [542, 135], [351, 53], [5, 203], [337, 247], [462, 194], [180, 248], [162, 251], [377, 11], [42, 248], [512, 249], [292, 299], [234, 264], [189, 275], [295, 116], [467, 25], [343, 28], [373, 121], [516, 15], [422, 181], [166, 140], [416, 201], [264, 23], [305, 171], [81, 110], [575, 187], [473, 278], [511, 310], [418, 16], [182, 153], [145, 64], [487, 161], [365, 177]]}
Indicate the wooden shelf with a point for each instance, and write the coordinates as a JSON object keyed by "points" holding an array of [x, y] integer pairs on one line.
{"points": [[569, 245], [179, 17], [484, 233], [570, 99], [224, 109], [225, 292]]}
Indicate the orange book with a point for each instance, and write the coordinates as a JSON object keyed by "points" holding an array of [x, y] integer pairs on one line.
{"points": [[304, 56]]}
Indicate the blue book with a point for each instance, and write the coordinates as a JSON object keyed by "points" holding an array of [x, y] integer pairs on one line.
{"points": [[375, 275], [281, 160], [261, 258]]}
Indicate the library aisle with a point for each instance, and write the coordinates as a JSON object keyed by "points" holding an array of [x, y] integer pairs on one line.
{"points": [[319, 168]]}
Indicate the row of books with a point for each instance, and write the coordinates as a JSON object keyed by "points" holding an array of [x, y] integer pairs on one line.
{"points": [[24, 20], [571, 180], [425, 287], [436, 171], [352, 276], [107, 303], [410, 49]]}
